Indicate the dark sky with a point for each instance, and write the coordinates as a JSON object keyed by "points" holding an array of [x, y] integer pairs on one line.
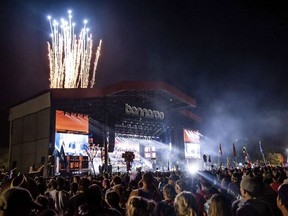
{"points": [[231, 56]]}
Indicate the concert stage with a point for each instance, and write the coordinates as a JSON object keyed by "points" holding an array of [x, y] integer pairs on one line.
{"points": [[95, 126]]}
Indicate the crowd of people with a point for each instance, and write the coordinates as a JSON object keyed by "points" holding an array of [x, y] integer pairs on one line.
{"points": [[257, 191]]}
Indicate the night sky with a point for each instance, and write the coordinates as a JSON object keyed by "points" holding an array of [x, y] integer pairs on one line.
{"points": [[231, 56]]}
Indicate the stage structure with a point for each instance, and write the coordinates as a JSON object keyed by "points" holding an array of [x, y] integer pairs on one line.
{"points": [[75, 130]]}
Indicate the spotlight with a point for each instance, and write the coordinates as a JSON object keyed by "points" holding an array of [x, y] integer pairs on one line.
{"points": [[192, 168]]}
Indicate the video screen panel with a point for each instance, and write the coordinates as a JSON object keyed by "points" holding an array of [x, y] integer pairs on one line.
{"points": [[71, 122], [74, 144], [192, 144], [144, 151], [150, 152]]}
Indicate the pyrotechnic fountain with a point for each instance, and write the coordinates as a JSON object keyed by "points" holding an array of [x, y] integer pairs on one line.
{"points": [[70, 56]]}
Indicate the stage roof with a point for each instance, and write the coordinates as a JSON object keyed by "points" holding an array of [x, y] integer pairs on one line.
{"points": [[108, 105]]}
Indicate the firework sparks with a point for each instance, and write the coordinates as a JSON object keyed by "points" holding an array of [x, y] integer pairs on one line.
{"points": [[70, 57]]}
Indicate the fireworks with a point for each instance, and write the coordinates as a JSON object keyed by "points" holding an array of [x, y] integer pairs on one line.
{"points": [[70, 57]]}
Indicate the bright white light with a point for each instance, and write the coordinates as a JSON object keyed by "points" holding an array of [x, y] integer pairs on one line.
{"points": [[55, 23], [70, 57], [193, 168], [49, 17]]}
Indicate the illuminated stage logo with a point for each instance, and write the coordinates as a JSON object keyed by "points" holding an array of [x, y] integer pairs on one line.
{"points": [[143, 112]]}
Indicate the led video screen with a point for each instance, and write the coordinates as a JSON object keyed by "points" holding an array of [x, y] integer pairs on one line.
{"points": [[73, 144], [192, 143]]}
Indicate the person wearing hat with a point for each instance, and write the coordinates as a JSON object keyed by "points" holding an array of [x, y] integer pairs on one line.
{"points": [[250, 189], [17, 201]]}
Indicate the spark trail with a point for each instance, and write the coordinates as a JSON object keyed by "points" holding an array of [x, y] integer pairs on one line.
{"points": [[70, 57]]}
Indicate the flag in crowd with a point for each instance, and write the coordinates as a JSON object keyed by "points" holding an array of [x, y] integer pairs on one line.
{"points": [[204, 158], [220, 149], [56, 153], [209, 159], [234, 151], [61, 155]]}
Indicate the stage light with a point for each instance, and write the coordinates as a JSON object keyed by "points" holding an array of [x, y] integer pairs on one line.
{"points": [[193, 168], [170, 146]]}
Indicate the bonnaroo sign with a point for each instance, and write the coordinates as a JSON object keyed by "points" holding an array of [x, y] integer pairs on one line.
{"points": [[143, 112]]}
